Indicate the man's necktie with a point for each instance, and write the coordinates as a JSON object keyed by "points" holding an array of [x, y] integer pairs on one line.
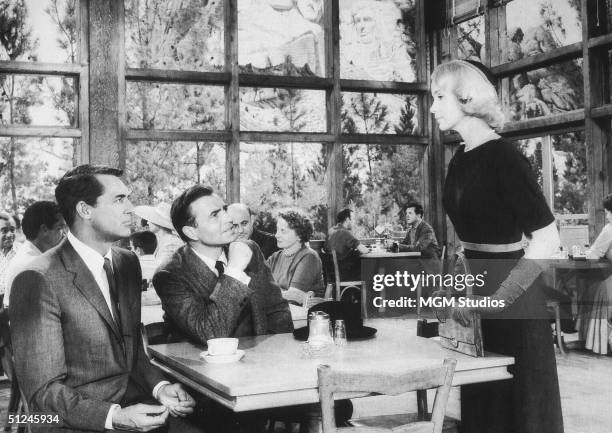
{"points": [[112, 286], [219, 267]]}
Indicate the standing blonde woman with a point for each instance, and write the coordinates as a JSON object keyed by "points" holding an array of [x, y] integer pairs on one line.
{"points": [[492, 198]]}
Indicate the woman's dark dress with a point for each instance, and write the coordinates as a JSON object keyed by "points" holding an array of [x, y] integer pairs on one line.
{"points": [[492, 197]]}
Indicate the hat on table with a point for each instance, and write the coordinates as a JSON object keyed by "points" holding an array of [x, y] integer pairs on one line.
{"points": [[349, 312], [158, 214]]}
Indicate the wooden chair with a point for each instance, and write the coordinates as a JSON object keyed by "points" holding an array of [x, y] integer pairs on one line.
{"points": [[153, 333], [333, 381], [343, 286], [18, 404]]}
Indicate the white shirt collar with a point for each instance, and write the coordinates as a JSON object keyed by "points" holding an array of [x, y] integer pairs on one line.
{"points": [[210, 262], [91, 257]]}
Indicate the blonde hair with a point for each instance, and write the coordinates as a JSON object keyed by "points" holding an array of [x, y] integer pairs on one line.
{"points": [[476, 94]]}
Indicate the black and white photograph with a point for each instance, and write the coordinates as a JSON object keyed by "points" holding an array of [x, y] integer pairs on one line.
{"points": [[306, 216]]}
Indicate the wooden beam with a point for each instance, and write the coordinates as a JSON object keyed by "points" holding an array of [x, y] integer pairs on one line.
{"points": [[104, 67], [602, 111], [383, 139], [297, 137], [82, 154], [256, 80], [173, 76], [567, 52], [382, 86], [540, 125], [335, 155], [39, 131], [604, 41], [595, 74], [177, 135], [232, 102], [36, 68]]}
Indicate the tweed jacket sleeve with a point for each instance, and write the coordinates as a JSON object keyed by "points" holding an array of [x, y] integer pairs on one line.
{"points": [[38, 342], [196, 301]]}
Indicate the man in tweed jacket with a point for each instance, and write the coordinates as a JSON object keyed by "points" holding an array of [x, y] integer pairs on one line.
{"points": [[213, 286]]}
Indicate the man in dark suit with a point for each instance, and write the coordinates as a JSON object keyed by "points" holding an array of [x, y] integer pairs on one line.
{"points": [[244, 221], [74, 315], [214, 286]]}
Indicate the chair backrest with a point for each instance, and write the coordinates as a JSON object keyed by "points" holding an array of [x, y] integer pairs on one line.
{"points": [[153, 333], [332, 381], [337, 278]]}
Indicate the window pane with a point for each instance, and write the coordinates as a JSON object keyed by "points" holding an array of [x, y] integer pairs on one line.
{"points": [[31, 168], [380, 113], [569, 169], [471, 39], [38, 100], [292, 110], [281, 37], [379, 180], [39, 31], [277, 175], [378, 40], [542, 92], [159, 171], [536, 27], [185, 35], [175, 106]]}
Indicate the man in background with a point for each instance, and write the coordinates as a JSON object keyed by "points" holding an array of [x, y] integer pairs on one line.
{"points": [[144, 244], [420, 236], [244, 220], [347, 246], [7, 250], [43, 226]]}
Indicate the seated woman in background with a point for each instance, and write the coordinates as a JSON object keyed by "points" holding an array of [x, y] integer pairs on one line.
{"points": [[595, 312], [296, 268]]}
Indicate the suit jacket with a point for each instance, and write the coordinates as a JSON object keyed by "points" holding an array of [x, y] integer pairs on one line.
{"points": [[265, 241], [199, 305], [70, 356]]}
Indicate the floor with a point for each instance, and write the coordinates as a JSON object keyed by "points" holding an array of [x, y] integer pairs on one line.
{"points": [[585, 382]]}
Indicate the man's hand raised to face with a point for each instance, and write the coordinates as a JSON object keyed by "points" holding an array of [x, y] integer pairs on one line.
{"points": [[239, 255], [140, 417]]}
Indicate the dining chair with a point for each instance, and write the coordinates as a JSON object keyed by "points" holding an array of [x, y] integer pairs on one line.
{"points": [[18, 404], [152, 333], [333, 381], [343, 286]]}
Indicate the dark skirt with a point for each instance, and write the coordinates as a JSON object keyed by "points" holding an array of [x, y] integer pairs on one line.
{"points": [[529, 402]]}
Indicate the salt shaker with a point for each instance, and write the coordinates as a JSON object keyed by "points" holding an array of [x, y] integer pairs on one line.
{"points": [[340, 333]]}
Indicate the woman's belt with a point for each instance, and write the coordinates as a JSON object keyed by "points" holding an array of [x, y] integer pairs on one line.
{"points": [[493, 248]]}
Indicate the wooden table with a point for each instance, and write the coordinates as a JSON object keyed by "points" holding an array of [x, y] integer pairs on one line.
{"points": [[274, 372], [382, 263]]}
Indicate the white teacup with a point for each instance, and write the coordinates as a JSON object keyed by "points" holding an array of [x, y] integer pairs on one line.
{"points": [[222, 346]]}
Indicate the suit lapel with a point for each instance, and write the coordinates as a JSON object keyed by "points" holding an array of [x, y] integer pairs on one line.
{"points": [[204, 277], [86, 284]]}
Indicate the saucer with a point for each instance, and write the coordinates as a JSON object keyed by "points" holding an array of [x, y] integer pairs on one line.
{"points": [[222, 359]]}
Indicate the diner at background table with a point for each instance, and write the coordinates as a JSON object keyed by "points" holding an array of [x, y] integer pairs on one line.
{"points": [[594, 322], [296, 268]]}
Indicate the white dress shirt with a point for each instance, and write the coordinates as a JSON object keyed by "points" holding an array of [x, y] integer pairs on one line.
{"points": [[95, 263], [25, 254]]}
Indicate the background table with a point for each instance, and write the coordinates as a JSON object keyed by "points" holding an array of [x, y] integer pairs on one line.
{"points": [[378, 262], [273, 372]]}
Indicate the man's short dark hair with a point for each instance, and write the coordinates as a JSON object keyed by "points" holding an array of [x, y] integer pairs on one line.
{"points": [[81, 184], [145, 240], [607, 202], [40, 213], [180, 212], [343, 215], [418, 208]]}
